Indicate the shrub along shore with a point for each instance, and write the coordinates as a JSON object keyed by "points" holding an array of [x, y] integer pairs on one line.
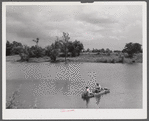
{"points": [[96, 58]]}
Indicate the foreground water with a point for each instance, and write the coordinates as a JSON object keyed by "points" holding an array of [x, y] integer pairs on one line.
{"points": [[45, 85]]}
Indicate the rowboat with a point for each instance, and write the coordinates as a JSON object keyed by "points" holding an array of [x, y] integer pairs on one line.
{"points": [[103, 91]]}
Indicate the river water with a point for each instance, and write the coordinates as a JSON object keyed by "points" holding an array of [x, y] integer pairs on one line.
{"points": [[59, 86]]}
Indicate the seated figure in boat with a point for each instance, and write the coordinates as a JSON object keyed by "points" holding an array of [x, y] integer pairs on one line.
{"points": [[97, 88], [87, 92]]}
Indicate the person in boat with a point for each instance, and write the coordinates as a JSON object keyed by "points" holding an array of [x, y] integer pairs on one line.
{"points": [[87, 92], [97, 88]]}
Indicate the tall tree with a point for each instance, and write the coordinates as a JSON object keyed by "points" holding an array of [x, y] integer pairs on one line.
{"points": [[36, 41], [53, 50], [102, 50], [108, 51], [78, 47], [64, 43], [132, 48], [23, 52], [75, 48], [8, 48]]}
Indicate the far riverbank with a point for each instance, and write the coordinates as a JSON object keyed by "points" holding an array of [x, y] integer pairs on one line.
{"points": [[95, 58]]}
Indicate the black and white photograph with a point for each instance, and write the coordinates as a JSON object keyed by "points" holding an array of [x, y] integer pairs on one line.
{"points": [[74, 60]]}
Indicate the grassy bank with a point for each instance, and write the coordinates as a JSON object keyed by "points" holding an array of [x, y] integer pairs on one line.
{"points": [[113, 58]]}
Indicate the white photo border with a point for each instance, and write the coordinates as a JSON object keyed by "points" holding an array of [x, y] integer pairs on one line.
{"points": [[75, 113]]}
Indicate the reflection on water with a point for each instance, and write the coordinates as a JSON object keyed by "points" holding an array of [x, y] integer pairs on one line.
{"points": [[61, 85], [98, 99], [87, 101]]}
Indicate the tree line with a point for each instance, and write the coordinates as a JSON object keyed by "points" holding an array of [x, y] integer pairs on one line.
{"points": [[130, 49], [61, 47]]}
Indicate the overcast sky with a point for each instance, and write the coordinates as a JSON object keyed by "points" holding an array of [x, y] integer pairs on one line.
{"points": [[104, 26]]}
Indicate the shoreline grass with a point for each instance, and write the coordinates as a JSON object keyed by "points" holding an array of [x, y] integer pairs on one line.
{"points": [[93, 58]]}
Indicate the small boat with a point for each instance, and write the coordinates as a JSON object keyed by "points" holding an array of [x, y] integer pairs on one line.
{"points": [[103, 91]]}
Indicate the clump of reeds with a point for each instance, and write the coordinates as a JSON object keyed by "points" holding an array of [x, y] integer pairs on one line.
{"points": [[13, 103]]}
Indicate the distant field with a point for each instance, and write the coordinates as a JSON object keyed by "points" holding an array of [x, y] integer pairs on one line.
{"points": [[85, 57]]}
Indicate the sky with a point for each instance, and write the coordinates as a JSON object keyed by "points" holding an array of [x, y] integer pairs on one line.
{"points": [[96, 26]]}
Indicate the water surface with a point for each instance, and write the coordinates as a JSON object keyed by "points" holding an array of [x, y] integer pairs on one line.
{"points": [[46, 85]]}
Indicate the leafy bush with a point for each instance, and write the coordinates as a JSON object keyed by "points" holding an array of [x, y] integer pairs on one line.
{"points": [[113, 61], [36, 51], [53, 50], [10, 47]]}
